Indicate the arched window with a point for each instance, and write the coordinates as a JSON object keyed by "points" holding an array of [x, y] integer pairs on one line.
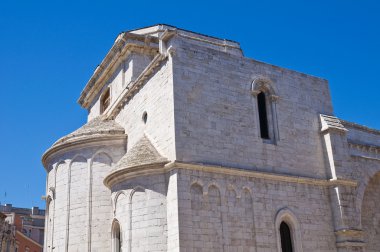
{"points": [[286, 238], [105, 100], [265, 94], [263, 116], [288, 232], [116, 237]]}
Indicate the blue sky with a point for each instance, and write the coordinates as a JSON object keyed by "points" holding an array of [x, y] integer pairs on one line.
{"points": [[49, 50]]}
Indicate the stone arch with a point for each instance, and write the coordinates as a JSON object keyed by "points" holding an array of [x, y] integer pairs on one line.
{"points": [[197, 211], [196, 194], [213, 184], [60, 206], [214, 195], [134, 190], [287, 216], [115, 199], [197, 182], [78, 203], [78, 158], [246, 189], [100, 204], [215, 229], [265, 96], [147, 206], [120, 199], [102, 151], [138, 209], [49, 221], [232, 221], [370, 213], [231, 194], [248, 218], [261, 83], [59, 163], [363, 186]]}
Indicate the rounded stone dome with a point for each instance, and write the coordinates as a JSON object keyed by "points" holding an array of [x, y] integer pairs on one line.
{"points": [[142, 157], [96, 130], [92, 129]]}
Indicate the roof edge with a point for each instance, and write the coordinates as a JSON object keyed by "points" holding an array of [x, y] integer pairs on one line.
{"points": [[123, 42], [80, 142]]}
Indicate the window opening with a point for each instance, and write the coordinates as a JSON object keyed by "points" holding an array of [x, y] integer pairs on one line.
{"points": [[145, 117], [286, 238], [105, 100], [116, 238], [261, 102]]}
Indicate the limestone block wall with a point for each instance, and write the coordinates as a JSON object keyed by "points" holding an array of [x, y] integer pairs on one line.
{"points": [[370, 217], [100, 199], [216, 118], [220, 212], [79, 205], [140, 209], [362, 134], [127, 71], [77, 211], [59, 224], [156, 99]]}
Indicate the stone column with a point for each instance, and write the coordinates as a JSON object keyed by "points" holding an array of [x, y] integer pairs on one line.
{"points": [[346, 219]]}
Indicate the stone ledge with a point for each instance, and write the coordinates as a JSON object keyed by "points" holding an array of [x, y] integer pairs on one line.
{"points": [[160, 168]]}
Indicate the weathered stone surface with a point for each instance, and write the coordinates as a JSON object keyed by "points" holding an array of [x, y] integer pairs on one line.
{"points": [[142, 153], [195, 173]]}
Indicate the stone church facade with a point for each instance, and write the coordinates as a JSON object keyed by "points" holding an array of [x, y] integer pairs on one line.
{"points": [[190, 146]]}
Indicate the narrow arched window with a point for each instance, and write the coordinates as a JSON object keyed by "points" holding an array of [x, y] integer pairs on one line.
{"points": [[286, 238], [263, 116], [105, 100], [116, 237]]}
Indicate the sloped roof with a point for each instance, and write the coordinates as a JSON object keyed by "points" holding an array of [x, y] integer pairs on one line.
{"points": [[98, 129], [96, 126], [142, 153]]}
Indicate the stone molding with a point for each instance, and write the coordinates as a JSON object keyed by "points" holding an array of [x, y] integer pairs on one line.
{"points": [[124, 42], [364, 146], [360, 127], [158, 168], [82, 142], [331, 123], [287, 216], [133, 87], [365, 157], [348, 238]]}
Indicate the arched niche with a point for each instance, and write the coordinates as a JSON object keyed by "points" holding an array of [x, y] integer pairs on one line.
{"points": [[265, 96], [286, 216], [370, 214]]}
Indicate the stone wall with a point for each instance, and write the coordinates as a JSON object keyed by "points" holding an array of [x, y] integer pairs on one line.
{"points": [[156, 99], [233, 213], [140, 209], [216, 118], [79, 205]]}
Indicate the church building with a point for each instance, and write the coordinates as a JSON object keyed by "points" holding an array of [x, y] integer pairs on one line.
{"points": [[191, 146]]}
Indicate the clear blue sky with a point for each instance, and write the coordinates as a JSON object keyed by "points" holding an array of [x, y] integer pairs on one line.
{"points": [[49, 49]]}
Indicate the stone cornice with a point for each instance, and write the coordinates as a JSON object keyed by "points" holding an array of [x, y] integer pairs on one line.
{"points": [[118, 176], [364, 146], [360, 127], [365, 157], [124, 43], [81, 142], [331, 123], [149, 43]]}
